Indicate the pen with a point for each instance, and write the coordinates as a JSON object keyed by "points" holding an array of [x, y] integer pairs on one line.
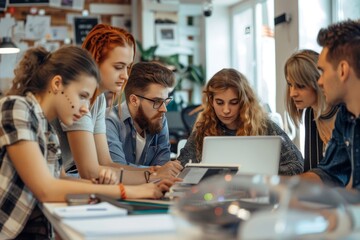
{"points": [[95, 209], [84, 210], [156, 180], [121, 175]]}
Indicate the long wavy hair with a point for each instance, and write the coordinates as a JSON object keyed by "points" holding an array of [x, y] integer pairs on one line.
{"points": [[301, 69], [101, 40], [252, 117]]}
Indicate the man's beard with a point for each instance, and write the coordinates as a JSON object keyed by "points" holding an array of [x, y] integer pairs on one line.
{"points": [[145, 123]]}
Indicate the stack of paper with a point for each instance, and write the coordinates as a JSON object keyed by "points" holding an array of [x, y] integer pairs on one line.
{"points": [[102, 209], [119, 226], [102, 220]]}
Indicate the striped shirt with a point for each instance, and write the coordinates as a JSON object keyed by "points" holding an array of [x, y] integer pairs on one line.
{"points": [[21, 118]]}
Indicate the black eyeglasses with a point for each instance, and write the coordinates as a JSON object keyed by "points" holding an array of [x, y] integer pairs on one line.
{"points": [[157, 102]]}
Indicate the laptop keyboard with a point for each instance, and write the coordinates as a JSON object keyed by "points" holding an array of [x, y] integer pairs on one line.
{"points": [[183, 173], [194, 175]]}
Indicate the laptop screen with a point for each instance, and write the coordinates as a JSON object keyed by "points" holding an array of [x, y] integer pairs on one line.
{"points": [[253, 154]]}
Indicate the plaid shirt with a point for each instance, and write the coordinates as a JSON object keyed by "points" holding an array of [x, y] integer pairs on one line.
{"points": [[21, 118]]}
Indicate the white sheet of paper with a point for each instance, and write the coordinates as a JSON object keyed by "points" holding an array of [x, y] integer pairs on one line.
{"points": [[103, 209], [37, 27], [112, 226]]}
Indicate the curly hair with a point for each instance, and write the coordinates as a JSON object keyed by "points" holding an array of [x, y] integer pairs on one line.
{"points": [[301, 70], [38, 66], [102, 39], [252, 117], [343, 42]]}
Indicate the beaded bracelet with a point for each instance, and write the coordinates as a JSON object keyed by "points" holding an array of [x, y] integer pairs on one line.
{"points": [[122, 191]]}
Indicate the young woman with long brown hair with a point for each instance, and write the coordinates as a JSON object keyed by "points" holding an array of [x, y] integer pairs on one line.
{"points": [[233, 109], [29, 147]]}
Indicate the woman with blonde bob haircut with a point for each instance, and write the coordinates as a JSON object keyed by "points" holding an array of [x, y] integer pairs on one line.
{"points": [[303, 94], [233, 109]]}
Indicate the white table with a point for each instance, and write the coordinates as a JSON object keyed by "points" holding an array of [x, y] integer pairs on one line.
{"points": [[66, 233], [184, 230]]}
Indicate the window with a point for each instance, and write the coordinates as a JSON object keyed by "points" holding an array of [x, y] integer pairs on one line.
{"points": [[254, 46], [345, 9]]}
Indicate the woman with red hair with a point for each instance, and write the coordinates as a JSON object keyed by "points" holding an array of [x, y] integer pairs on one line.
{"points": [[84, 147]]}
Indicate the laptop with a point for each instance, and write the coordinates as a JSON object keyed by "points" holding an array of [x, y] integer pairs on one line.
{"points": [[248, 154]]}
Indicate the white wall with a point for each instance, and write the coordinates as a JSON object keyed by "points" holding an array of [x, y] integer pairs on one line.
{"points": [[7, 64], [307, 19], [313, 16], [217, 41], [286, 42]]}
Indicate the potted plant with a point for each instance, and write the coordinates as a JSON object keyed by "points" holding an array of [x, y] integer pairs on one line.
{"points": [[147, 55], [193, 74]]}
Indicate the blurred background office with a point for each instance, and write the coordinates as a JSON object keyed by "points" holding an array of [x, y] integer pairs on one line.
{"points": [[195, 38]]}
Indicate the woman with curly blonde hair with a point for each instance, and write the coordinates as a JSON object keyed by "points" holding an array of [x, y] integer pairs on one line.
{"points": [[233, 109]]}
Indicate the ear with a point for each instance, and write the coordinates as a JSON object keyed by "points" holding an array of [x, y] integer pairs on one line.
{"points": [[343, 70], [211, 101], [133, 101], [56, 84]]}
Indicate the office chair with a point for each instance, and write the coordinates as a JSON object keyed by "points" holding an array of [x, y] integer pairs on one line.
{"points": [[187, 119]]}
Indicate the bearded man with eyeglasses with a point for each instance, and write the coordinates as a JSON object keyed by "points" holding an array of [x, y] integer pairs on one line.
{"points": [[137, 130]]}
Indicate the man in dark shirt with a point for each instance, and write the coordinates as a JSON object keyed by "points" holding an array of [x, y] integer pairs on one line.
{"points": [[339, 63]]}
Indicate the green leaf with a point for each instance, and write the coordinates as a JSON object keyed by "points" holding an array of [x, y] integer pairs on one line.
{"points": [[147, 54], [171, 60], [196, 74]]}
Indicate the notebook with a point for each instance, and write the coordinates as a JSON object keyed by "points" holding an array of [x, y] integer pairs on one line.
{"points": [[123, 227], [250, 154], [87, 211]]}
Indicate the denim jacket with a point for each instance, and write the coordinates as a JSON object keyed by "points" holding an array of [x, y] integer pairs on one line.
{"points": [[343, 152], [121, 137]]}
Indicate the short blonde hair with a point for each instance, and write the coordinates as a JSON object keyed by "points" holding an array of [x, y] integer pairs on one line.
{"points": [[301, 68]]}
